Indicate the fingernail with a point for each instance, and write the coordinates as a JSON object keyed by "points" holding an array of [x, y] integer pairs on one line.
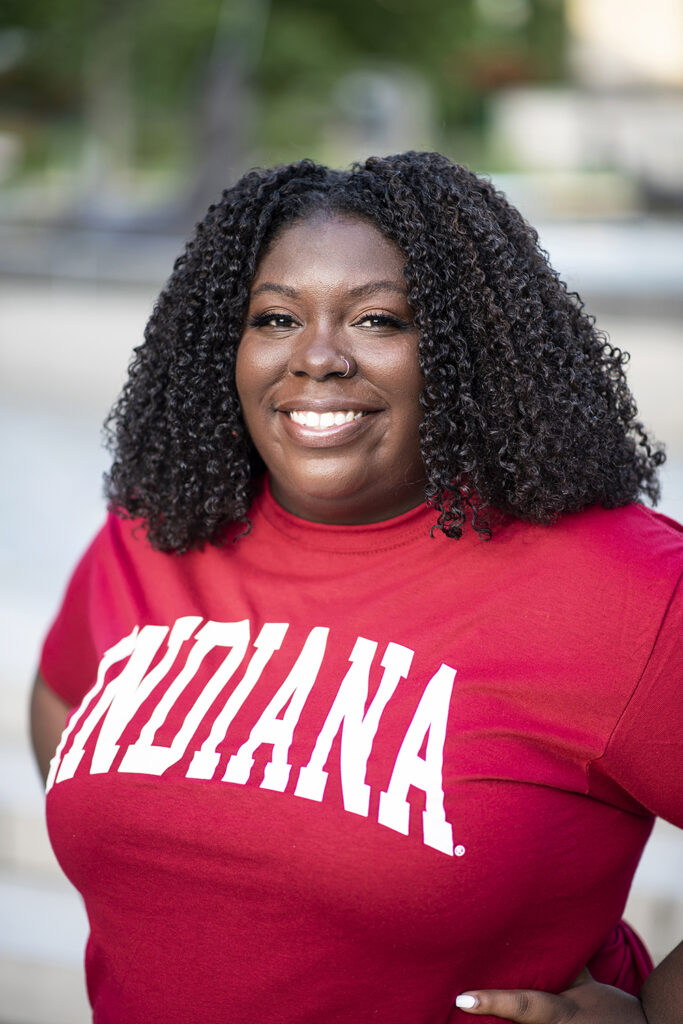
{"points": [[466, 1002]]}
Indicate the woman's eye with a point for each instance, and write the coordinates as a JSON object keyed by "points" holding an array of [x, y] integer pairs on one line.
{"points": [[281, 320], [382, 320]]}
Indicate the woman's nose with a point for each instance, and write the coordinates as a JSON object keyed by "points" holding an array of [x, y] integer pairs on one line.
{"points": [[319, 353]]}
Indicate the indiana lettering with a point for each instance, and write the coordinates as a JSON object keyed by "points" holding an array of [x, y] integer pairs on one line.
{"points": [[132, 670]]}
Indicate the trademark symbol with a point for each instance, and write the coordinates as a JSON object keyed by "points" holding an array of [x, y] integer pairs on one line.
{"points": [[459, 851]]}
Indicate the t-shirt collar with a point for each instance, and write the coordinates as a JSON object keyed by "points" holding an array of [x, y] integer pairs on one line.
{"points": [[345, 539]]}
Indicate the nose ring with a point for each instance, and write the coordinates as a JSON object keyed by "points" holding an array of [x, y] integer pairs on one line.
{"points": [[347, 371]]}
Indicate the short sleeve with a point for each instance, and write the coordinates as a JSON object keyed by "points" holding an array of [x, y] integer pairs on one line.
{"points": [[644, 754], [68, 661]]}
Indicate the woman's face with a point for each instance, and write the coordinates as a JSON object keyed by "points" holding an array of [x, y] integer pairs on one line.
{"points": [[341, 445]]}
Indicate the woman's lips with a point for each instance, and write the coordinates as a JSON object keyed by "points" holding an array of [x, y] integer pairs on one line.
{"points": [[318, 420], [315, 429]]}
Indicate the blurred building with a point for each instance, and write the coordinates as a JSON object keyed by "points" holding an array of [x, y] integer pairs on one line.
{"points": [[618, 118]]}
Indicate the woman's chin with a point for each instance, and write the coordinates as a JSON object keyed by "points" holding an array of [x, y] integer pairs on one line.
{"points": [[328, 499]]}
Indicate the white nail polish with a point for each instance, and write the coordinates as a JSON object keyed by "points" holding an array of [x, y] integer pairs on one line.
{"points": [[466, 1002]]}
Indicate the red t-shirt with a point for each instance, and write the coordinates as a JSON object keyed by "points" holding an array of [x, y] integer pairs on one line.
{"points": [[336, 775]]}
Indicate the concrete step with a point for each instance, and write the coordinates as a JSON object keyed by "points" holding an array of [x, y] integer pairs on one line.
{"points": [[24, 845], [41, 921], [40, 993], [655, 903], [43, 930]]}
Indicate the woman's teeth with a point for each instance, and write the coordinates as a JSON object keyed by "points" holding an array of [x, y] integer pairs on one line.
{"points": [[324, 419]]}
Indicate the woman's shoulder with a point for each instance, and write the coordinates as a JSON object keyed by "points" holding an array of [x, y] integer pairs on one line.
{"points": [[122, 554], [633, 549], [129, 535], [634, 530], [123, 536]]}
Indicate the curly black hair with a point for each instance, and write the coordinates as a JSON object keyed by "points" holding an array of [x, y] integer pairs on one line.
{"points": [[526, 407]]}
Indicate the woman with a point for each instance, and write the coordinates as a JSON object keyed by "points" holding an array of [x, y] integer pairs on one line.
{"points": [[340, 752]]}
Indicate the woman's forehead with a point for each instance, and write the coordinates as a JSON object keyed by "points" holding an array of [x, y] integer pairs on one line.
{"points": [[330, 247]]}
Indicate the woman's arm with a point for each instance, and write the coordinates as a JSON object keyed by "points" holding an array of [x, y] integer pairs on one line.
{"points": [[48, 718], [587, 1002]]}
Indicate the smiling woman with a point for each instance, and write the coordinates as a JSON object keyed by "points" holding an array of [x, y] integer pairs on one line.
{"points": [[363, 694], [328, 373], [523, 408]]}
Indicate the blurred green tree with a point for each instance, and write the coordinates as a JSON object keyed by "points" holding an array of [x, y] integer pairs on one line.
{"points": [[162, 83], [464, 49]]}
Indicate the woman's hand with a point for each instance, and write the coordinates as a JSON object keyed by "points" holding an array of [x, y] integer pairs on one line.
{"points": [[588, 1002], [584, 1002]]}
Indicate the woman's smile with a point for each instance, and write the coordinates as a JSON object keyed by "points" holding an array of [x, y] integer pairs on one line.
{"points": [[325, 428], [328, 373]]}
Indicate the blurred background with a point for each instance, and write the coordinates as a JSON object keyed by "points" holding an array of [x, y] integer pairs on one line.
{"points": [[119, 123]]}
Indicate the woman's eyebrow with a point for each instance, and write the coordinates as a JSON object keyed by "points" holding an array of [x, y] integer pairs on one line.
{"points": [[360, 292], [364, 290], [269, 286]]}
